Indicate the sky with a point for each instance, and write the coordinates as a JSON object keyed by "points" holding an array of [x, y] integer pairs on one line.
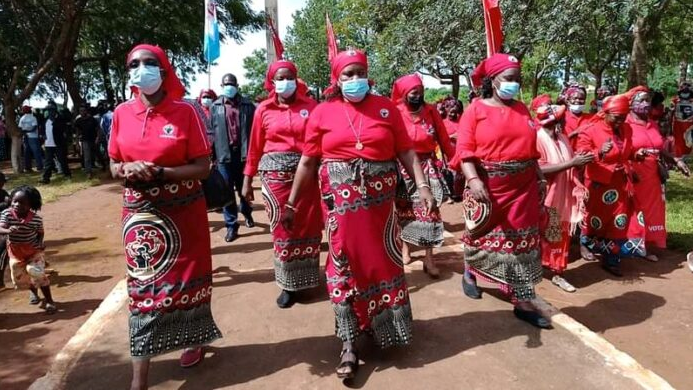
{"points": [[232, 53]]}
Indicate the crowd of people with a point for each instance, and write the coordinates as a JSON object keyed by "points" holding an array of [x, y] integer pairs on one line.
{"points": [[372, 172], [52, 135]]}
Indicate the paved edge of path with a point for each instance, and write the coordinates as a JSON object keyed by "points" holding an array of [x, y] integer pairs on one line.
{"points": [[70, 354]]}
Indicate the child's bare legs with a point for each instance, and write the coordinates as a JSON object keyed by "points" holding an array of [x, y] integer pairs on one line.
{"points": [[140, 374]]}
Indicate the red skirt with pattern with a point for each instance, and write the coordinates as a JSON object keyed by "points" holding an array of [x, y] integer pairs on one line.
{"points": [[364, 269], [650, 198], [169, 263], [296, 252]]}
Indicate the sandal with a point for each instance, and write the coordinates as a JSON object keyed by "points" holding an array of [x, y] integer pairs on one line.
{"points": [[652, 258], [352, 365], [470, 288]]}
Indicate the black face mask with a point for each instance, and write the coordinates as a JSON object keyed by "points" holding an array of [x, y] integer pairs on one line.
{"points": [[685, 94], [415, 102]]}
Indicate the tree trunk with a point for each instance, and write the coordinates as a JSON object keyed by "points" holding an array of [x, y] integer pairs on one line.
{"points": [[597, 74], [73, 86], [639, 61], [535, 84], [567, 69], [13, 130], [684, 65], [455, 84], [106, 76]]}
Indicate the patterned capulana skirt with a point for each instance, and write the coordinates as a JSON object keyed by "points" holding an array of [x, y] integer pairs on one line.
{"points": [[366, 280], [419, 228], [169, 263], [296, 252], [509, 254]]}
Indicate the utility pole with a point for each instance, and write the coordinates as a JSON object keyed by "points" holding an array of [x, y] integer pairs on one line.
{"points": [[271, 10]]}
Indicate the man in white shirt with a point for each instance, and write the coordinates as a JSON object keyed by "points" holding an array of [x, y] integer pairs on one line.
{"points": [[29, 126]]}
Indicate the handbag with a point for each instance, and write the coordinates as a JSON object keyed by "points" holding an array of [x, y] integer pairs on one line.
{"points": [[218, 194], [477, 215]]}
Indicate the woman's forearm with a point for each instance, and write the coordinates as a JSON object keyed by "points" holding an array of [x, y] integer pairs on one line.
{"points": [[552, 169], [305, 172], [410, 162], [469, 170], [198, 169]]}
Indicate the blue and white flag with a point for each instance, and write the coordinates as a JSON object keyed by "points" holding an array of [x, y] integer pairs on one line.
{"points": [[211, 41]]}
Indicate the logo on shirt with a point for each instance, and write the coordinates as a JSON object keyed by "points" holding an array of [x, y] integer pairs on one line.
{"points": [[304, 113], [385, 113], [168, 131]]}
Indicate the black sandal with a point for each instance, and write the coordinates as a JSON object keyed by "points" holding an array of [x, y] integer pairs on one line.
{"points": [[353, 365]]}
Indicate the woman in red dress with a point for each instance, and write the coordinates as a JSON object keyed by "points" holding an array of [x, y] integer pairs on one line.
{"points": [[159, 148], [427, 131], [454, 109], [498, 155], [575, 118], [564, 192], [277, 140], [353, 142], [649, 188], [612, 227]]}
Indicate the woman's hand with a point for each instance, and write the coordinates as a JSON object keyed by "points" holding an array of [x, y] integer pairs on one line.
{"points": [[247, 189], [606, 147], [641, 154], [427, 199], [683, 168], [139, 171], [582, 159], [288, 219], [477, 190]]}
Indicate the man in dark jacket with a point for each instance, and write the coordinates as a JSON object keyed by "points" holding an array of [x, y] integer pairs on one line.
{"points": [[56, 145], [231, 119]]}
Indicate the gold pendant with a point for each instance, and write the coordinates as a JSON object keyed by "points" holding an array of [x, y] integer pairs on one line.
{"points": [[359, 146]]}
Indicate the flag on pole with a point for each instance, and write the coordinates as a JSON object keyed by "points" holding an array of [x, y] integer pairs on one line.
{"points": [[332, 42], [211, 41], [276, 41], [492, 26]]}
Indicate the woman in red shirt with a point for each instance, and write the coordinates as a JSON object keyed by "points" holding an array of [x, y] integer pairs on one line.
{"points": [[159, 148], [575, 119], [649, 188], [564, 192], [356, 138], [427, 131], [455, 179], [277, 139], [498, 156], [612, 226]]}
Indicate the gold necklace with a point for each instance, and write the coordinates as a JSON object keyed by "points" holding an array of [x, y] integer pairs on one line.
{"points": [[357, 135]]}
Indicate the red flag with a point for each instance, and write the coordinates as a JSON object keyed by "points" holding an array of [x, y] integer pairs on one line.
{"points": [[276, 41], [492, 26], [332, 42]]}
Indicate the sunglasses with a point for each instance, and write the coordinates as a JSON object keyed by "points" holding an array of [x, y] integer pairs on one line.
{"points": [[133, 64]]}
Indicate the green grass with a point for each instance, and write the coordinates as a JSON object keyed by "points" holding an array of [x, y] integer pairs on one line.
{"points": [[679, 211], [59, 186]]}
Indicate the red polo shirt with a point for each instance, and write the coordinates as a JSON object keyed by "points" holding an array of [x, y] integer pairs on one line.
{"points": [[277, 128], [169, 134], [427, 131], [383, 134]]}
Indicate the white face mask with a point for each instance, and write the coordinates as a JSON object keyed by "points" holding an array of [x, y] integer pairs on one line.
{"points": [[576, 108], [206, 102], [146, 78]]}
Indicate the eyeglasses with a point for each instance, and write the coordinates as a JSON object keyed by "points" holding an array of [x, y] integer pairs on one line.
{"points": [[133, 64]]}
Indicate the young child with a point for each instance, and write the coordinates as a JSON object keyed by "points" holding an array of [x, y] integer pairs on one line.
{"points": [[24, 229]]}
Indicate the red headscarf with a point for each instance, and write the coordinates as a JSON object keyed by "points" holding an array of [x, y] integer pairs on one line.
{"points": [[492, 66], [545, 111], [341, 61], [301, 87], [171, 83], [404, 85], [616, 104], [26, 109], [631, 94], [209, 92]]}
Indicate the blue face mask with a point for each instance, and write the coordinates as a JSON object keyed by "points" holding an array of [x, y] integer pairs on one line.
{"points": [[206, 102], [355, 90], [229, 91], [146, 78], [507, 90], [285, 88]]}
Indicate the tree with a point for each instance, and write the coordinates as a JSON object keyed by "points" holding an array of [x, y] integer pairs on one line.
{"points": [[255, 67], [33, 37]]}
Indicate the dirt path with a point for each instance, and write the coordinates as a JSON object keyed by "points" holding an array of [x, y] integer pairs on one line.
{"points": [[648, 314]]}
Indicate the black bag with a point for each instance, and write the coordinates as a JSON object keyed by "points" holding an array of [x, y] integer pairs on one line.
{"points": [[218, 194]]}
